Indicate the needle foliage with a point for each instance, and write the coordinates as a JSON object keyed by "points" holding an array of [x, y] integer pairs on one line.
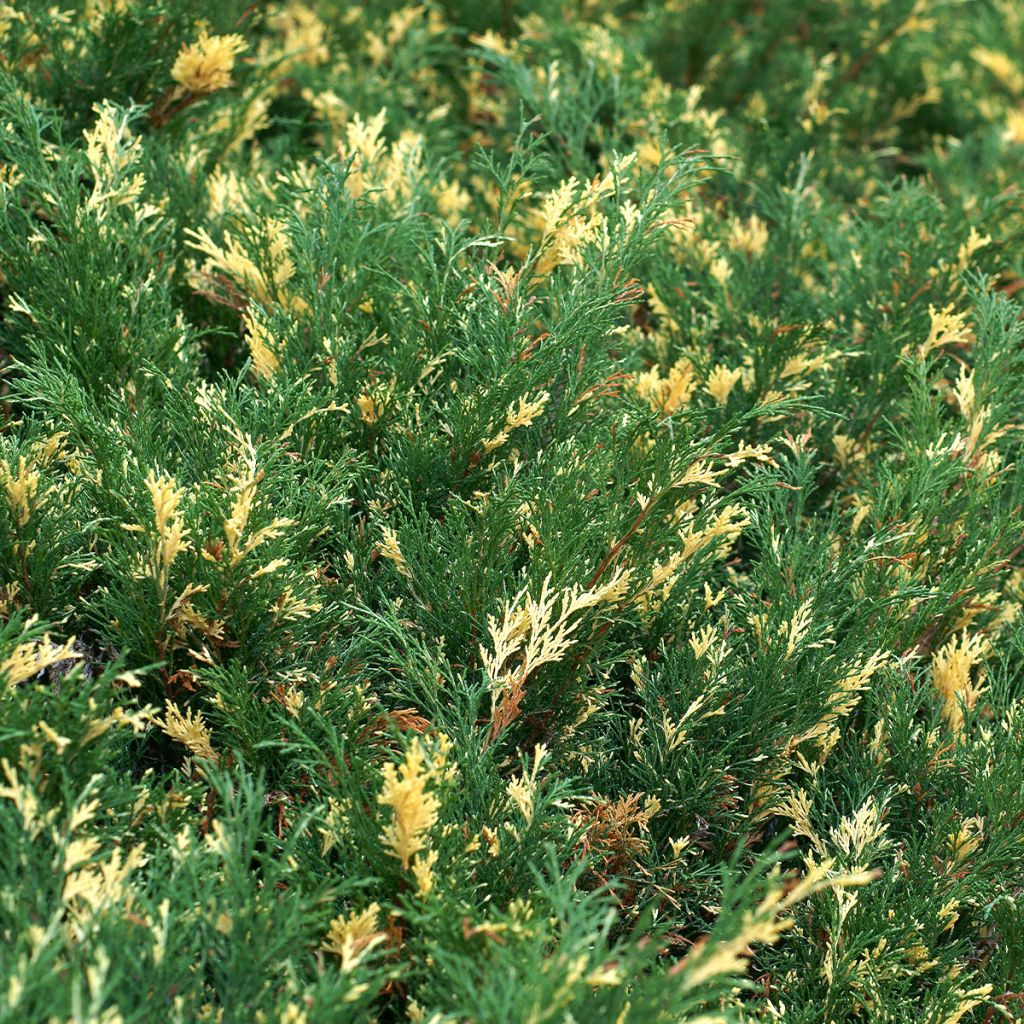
{"points": [[511, 512]]}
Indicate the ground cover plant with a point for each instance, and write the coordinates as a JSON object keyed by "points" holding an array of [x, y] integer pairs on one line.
{"points": [[511, 511]]}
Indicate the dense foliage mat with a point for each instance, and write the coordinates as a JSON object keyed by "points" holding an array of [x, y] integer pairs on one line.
{"points": [[511, 511]]}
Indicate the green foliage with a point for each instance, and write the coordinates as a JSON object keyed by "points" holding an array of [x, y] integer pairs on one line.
{"points": [[511, 512]]}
